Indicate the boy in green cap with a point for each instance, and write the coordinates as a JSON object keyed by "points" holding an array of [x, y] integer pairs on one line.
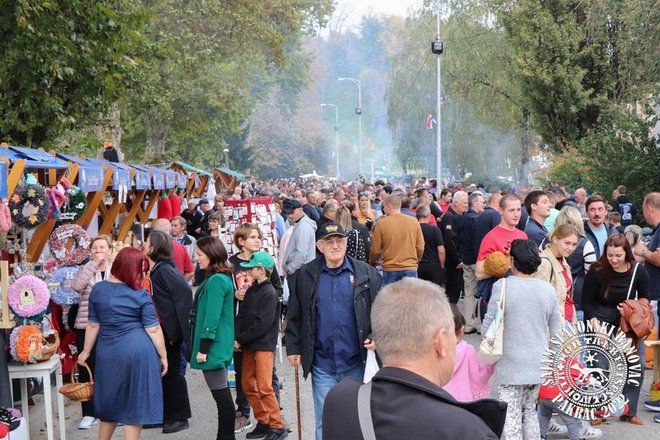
{"points": [[257, 326]]}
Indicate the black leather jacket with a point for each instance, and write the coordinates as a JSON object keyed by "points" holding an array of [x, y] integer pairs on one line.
{"points": [[301, 326]]}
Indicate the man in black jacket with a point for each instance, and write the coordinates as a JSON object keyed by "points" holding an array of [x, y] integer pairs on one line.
{"points": [[329, 310], [453, 261], [406, 400]]}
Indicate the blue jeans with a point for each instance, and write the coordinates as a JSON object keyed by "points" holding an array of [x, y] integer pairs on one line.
{"points": [[390, 277], [322, 382]]}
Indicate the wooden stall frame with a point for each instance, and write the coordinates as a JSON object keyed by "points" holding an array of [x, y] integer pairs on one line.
{"points": [[43, 231], [5, 322]]}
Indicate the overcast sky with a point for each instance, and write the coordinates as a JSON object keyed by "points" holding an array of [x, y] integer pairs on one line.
{"points": [[358, 8]]}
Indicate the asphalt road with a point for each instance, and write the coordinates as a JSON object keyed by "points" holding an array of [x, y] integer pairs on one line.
{"points": [[203, 423]]}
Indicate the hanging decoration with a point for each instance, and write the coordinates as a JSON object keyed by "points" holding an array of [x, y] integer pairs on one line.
{"points": [[28, 296], [57, 197], [75, 205], [29, 206], [26, 344], [59, 238], [60, 286]]}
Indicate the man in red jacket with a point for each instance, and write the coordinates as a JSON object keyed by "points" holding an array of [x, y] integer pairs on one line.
{"points": [[181, 256]]}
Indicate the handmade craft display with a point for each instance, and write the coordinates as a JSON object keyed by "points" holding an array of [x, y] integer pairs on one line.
{"points": [[28, 296], [26, 344], [29, 205], [75, 205], [60, 286], [59, 238], [258, 211]]}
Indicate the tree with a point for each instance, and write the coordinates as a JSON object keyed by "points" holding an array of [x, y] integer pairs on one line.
{"points": [[574, 60], [62, 64]]}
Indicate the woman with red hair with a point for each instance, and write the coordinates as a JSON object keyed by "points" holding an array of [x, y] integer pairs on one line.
{"points": [[613, 279], [130, 349]]}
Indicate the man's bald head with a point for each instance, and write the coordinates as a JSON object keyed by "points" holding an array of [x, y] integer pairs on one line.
{"points": [[163, 225]]}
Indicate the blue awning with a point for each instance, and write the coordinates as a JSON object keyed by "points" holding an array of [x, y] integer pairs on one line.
{"points": [[91, 179], [3, 179], [34, 159], [170, 179]]}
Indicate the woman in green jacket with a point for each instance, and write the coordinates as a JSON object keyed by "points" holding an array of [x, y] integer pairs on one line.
{"points": [[213, 329]]}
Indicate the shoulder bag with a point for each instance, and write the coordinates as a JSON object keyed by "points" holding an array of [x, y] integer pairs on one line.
{"points": [[636, 316], [491, 347]]}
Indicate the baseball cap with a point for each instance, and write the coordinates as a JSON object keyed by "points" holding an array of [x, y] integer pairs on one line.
{"points": [[330, 229], [204, 202], [260, 259], [290, 205]]}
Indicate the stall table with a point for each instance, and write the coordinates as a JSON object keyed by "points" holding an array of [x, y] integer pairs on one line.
{"points": [[42, 370]]}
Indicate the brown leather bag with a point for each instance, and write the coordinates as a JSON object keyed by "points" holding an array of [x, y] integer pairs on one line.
{"points": [[636, 317]]}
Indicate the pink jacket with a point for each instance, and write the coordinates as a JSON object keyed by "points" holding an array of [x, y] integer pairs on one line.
{"points": [[470, 379], [82, 282]]}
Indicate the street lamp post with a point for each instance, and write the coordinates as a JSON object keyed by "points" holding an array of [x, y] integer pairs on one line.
{"points": [[226, 151], [336, 136], [358, 111]]}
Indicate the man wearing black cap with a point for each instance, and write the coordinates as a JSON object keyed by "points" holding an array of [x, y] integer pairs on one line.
{"points": [[329, 323], [301, 246], [205, 207]]}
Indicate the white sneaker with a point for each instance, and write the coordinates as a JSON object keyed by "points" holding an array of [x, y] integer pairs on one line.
{"points": [[556, 430], [87, 422], [589, 432]]}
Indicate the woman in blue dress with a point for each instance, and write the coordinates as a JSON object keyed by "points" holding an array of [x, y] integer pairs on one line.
{"points": [[130, 349]]}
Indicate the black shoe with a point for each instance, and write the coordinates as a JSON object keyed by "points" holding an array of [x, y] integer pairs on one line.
{"points": [[260, 431], [656, 419], [175, 426], [277, 434]]}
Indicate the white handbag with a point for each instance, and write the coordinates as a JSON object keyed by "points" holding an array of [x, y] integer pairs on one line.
{"points": [[491, 347]]}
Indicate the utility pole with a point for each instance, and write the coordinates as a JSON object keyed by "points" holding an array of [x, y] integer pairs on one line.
{"points": [[437, 48], [358, 112], [336, 135]]}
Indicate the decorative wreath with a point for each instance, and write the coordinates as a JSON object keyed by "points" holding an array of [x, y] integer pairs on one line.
{"points": [[59, 238], [75, 205], [63, 294], [26, 344], [29, 205], [28, 296]]}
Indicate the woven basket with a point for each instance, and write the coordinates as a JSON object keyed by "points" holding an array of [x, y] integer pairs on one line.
{"points": [[80, 392], [51, 342]]}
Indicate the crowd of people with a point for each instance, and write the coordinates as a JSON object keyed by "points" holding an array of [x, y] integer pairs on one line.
{"points": [[363, 267]]}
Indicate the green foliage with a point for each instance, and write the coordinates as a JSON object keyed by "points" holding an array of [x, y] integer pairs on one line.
{"points": [[63, 63], [481, 110], [574, 60], [620, 152]]}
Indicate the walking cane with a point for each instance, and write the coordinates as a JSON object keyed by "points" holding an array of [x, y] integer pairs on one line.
{"points": [[297, 380]]}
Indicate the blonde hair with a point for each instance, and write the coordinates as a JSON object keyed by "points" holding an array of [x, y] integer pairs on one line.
{"points": [[570, 215], [344, 219], [102, 237], [243, 232], [563, 231]]}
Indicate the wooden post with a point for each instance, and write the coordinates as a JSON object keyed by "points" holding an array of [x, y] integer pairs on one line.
{"points": [[15, 175], [132, 214], [94, 200], [43, 231], [5, 322]]}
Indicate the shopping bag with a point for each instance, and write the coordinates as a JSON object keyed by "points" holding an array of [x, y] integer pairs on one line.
{"points": [[371, 367], [490, 349]]}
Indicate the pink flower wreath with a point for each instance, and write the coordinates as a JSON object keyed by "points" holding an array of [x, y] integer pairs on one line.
{"points": [[59, 238], [28, 296]]}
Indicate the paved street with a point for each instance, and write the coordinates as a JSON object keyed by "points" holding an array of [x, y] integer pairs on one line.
{"points": [[203, 422]]}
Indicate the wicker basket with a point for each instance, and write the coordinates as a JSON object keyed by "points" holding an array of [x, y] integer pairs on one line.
{"points": [[80, 392], [51, 343]]}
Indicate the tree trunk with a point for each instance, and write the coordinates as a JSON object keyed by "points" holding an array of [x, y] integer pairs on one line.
{"points": [[526, 139], [109, 128], [156, 133]]}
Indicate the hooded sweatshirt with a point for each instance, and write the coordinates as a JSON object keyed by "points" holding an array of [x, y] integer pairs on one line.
{"points": [[470, 379], [301, 248]]}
